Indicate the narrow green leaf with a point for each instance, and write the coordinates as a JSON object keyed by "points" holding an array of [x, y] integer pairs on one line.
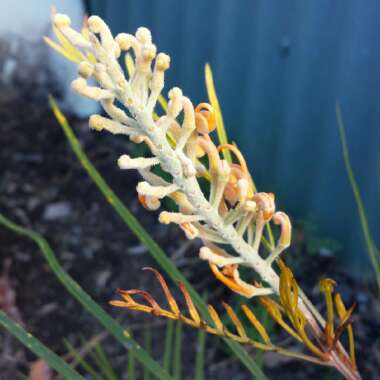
{"points": [[82, 361], [113, 327], [156, 252], [200, 355], [220, 129], [39, 349], [131, 370], [168, 344], [177, 357], [103, 363], [371, 248], [148, 348]]}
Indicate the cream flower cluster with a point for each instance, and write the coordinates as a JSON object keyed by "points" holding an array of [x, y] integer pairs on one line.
{"points": [[232, 214]]}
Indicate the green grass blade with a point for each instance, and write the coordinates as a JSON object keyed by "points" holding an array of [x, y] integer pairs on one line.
{"points": [[131, 370], [156, 252], [113, 327], [148, 348], [168, 344], [103, 363], [200, 356], [220, 129], [371, 248], [82, 361], [177, 356], [39, 348]]}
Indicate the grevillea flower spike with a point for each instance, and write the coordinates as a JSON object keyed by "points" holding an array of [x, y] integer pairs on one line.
{"points": [[231, 214]]}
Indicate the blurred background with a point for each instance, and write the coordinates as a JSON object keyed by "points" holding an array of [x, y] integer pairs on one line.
{"points": [[279, 69]]}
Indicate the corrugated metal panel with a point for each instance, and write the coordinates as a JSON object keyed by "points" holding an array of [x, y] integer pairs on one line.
{"points": [[279, 69]]}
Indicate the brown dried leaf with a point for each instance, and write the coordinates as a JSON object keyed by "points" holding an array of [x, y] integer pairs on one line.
{"points": [[216, 319], [236, 321], [168, 294], [256, 323], [190, 305]]}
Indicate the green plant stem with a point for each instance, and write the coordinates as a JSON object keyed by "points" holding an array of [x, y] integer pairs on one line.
{"points": [[200, 356], [103, 363], [371, 248], [168, 344], [148, 348], [82, 361], [177, 356], [131, 370]]}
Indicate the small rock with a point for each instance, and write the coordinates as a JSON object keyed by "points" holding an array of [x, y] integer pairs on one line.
{"points": [[58, 210], [102, 278], [22, 257], [67, 256], [137, 250], [47, 309], [326, 252], [32, 203], [91, 246]]}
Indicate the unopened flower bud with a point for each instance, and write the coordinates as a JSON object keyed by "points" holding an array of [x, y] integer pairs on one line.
{"points": [[96, 122], [85, 69], [149, 202], [162, 62], [175, 102], [61, 20], [95, 24], [204, 118], [143, 35], [124, 40]]}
